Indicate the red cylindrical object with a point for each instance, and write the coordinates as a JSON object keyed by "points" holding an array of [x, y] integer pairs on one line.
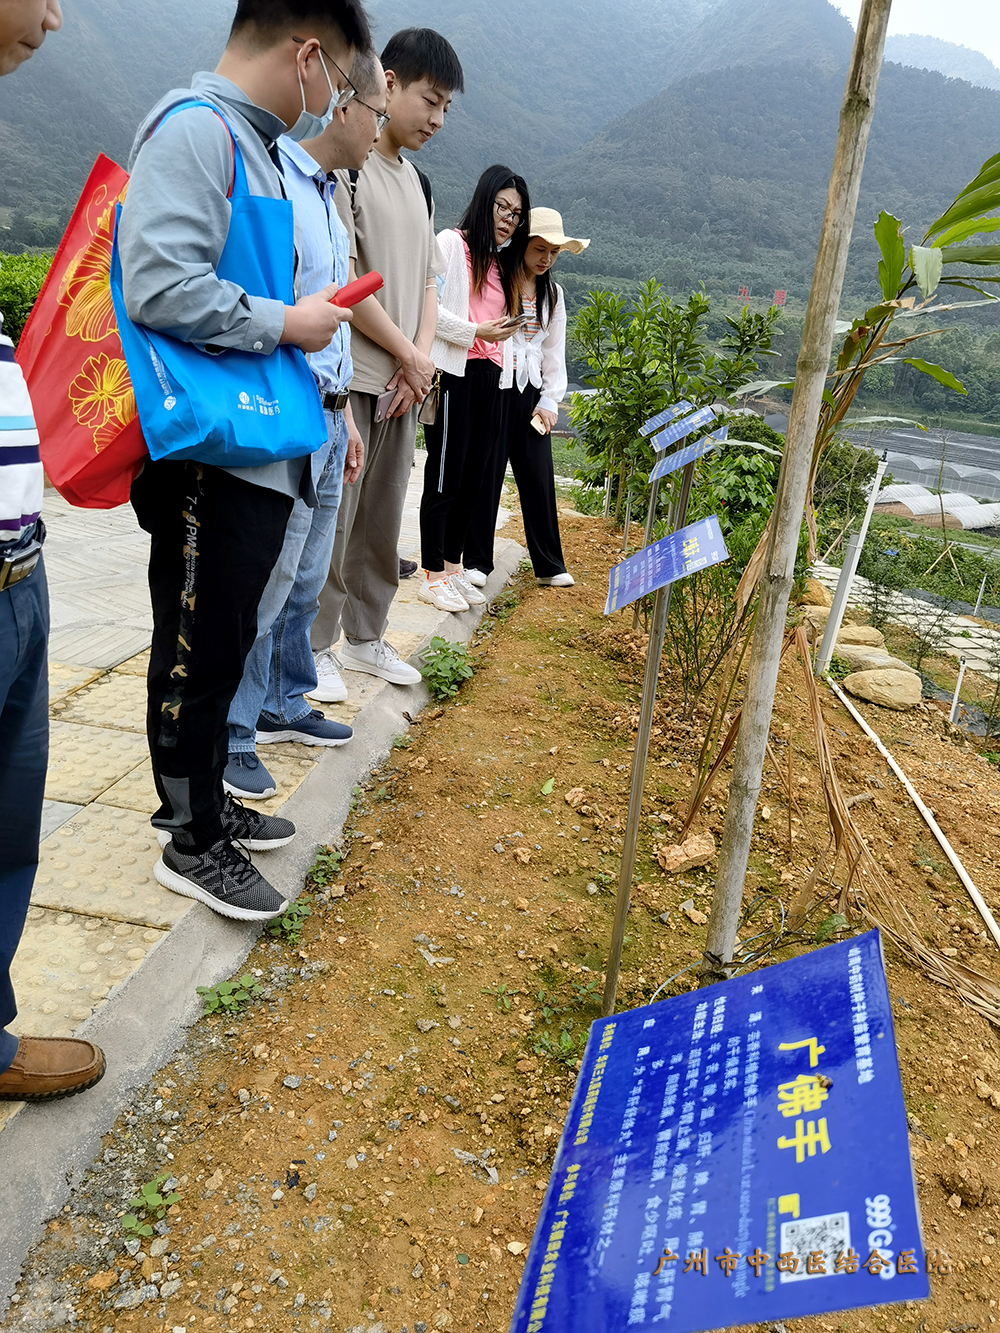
{"points": [[357, 291]]}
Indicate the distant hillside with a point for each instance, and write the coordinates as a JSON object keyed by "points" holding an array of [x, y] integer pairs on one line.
{"points": [[957, 62], [86, 90], [765, 33], [725, 174]]}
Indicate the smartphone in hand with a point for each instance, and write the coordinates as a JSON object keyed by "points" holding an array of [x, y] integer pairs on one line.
{"points": [[382, 404]]}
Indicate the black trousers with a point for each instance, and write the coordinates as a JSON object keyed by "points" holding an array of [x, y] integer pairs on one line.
{"points": [[214, 541], [530, 456], [460, 444]]}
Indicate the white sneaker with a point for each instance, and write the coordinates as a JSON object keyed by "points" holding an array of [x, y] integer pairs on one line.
{"points": [[378, 658], [557, 581], [441, 594], [330, 688], [465, 589], [476, 577]]}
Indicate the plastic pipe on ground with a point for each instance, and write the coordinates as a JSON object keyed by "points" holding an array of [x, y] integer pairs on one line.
{"points": [[928, 818]]}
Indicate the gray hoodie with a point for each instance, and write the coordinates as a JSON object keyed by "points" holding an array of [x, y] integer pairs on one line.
{"points": [[174, 225]]}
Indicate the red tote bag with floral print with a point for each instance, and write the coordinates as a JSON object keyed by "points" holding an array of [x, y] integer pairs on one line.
{"points": [[71, 356]]}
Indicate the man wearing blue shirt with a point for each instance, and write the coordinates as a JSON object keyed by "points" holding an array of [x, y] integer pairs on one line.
{"points": [[280, 670]]}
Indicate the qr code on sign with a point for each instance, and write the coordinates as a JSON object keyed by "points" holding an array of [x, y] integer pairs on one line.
{"points": [[829, 1234]]}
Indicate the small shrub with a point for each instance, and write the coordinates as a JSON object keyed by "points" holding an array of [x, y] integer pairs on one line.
{"points": [[229, 997], [838, 668], [289, 925], [148, 1206], [446, 666], [587, 500], [20, 278]]}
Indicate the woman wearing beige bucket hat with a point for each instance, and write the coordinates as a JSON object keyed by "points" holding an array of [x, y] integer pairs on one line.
{"points": [[534, 377]]}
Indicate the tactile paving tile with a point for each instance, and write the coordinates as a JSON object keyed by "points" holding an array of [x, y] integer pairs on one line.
{"points": [[85, 761], [55, 814], [100, 864], [66, 964], [135, 791], [119, 701], [98, 644], [65, 677], [135, 666]]}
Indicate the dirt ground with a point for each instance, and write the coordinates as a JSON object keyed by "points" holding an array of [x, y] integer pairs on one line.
{"points": [[364, 1146]]}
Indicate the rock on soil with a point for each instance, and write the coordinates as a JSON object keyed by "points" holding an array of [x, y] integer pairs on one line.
{"points": [[697, 850], [860, 658], [889, 689], [860, 634], [816, 595]]}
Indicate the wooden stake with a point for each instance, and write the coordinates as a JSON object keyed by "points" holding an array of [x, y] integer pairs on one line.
{"points": [[776, 578]]}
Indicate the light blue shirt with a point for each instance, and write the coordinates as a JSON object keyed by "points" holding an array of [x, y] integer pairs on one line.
{"points": [[323, 252]]}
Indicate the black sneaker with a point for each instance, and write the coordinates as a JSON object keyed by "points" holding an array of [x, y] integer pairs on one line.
{"points": [[223, 878], [406, 568], [254, 831]]}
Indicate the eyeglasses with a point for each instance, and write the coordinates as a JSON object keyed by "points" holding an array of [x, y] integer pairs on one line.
{"points": [[382, 118], [344, 95], [506, 214]]}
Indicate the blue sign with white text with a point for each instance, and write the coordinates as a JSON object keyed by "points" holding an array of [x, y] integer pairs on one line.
{"points": [[738, 1155], [661, 418], [685, 551], [689, 454], [683, 427]]}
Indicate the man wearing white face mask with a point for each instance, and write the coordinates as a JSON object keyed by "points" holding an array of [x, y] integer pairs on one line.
{"points": [[285, 67]]}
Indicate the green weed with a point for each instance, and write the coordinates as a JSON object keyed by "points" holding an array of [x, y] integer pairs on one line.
{"points": [[148, 1206], [401, 743], [501, 995], [289, 925], [326, 868], [446, 666], [229, 997]]}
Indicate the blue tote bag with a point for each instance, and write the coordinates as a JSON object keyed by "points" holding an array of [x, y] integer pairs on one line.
{"points": [[230, 409]]}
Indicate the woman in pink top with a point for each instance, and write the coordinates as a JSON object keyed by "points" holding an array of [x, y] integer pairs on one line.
{"points": [[474, 305]]}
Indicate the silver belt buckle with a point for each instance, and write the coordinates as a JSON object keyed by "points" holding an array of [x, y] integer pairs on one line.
{"points": [[19, 566]]}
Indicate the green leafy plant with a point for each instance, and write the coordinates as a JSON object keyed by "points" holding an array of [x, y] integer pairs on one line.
{"points": [[401, 742], [830, 926], [446, 666], [149, 1205], [503, 606], [21, 276], [501, 996], [325, 870], [838, 668], [229, 997], [289, 925]]}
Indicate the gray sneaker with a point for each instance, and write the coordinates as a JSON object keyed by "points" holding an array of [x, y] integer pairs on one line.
{"points": [[223, 878]]}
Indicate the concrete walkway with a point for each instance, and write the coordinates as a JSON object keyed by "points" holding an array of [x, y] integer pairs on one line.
{"points": [[98, 917], [959, 635]]}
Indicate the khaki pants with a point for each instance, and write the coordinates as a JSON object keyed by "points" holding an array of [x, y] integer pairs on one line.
{"points": [[364, 568]]}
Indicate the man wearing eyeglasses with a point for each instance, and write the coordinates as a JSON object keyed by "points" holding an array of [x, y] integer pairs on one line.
{"points": [[270, 704], [216, 532]]}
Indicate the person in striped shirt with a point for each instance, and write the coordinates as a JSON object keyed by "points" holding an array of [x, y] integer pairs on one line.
{"points": [[31, 1068]]}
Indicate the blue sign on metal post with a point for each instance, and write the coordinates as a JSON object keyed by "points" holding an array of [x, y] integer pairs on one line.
{"points": [[695, 547], [734, 1156], [689, 454], [683, 427], [661, 418]]}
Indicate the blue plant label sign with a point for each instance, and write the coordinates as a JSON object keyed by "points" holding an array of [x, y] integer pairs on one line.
{"points": [[668, 414], [698, 546], [734, 1156], [689, 454], [685, 426]]}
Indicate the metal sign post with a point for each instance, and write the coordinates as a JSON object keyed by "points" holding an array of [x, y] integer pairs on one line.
{"points": [[654, 653]]}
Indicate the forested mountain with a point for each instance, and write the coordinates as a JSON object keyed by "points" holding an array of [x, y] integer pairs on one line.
{"points": [[691, 139], [958, 62]]}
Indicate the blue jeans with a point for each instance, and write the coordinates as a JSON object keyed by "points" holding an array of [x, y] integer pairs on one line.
{"points": [[280, 669], [24, 752]]}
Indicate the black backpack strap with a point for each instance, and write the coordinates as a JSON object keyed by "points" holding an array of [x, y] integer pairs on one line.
{"points": [[425, 185], [352, 176]]}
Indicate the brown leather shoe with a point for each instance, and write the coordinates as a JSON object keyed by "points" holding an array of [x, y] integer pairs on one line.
{"points": [[46, 1068]]}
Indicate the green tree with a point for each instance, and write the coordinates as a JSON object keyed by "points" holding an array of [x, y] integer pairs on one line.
{"points": [[644, 355]]}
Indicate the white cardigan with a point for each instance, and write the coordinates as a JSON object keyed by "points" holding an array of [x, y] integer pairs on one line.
{"points": [[542, 360], [455, 332]]}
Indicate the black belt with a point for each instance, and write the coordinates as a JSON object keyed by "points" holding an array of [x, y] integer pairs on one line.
{"points": [[18, 565], [335, 402]]}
